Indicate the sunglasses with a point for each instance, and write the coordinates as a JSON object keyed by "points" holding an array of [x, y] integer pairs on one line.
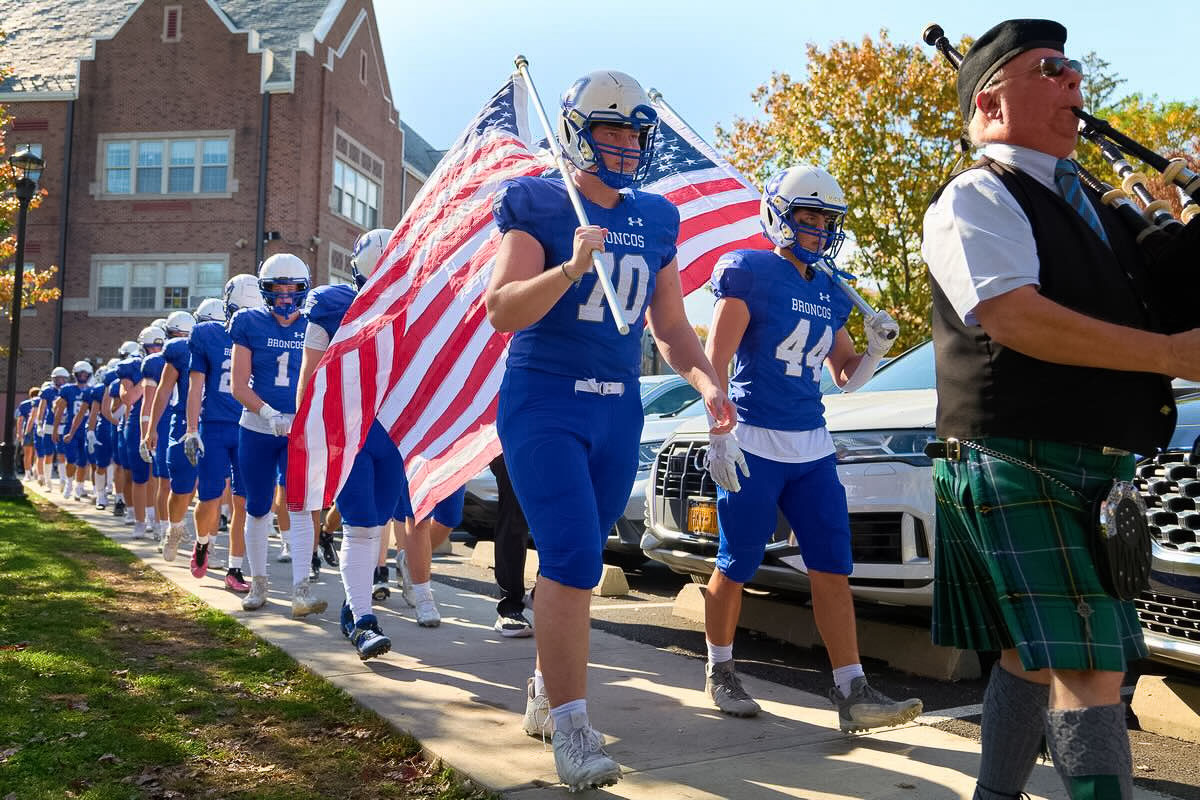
{"points": [[1048, 67]]}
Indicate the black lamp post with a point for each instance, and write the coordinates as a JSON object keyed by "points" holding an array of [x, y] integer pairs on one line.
{"points": [[27, 168]]}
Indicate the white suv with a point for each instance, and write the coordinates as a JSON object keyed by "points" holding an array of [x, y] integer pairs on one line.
{"points": [[880, 432]]}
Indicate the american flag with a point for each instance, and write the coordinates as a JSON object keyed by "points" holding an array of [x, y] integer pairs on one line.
{"points": [[416, 351]]}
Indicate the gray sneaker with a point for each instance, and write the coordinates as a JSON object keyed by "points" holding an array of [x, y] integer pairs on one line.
{"points": [[537, 721], [304, 602], [723, 686], [867, 707], [580, 758], [171, 542], [257, 597]]}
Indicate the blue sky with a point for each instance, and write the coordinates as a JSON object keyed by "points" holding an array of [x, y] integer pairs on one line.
{"points": [[446, 57]]}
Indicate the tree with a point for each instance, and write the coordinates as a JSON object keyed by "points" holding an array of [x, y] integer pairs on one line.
{"points": [[883, 119], [36, 284]]}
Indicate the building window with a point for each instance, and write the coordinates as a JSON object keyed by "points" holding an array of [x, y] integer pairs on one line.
{"points": [[192, 166], [362, 66], [149, 285], [171, 23], [339, 266], [355, 196]]}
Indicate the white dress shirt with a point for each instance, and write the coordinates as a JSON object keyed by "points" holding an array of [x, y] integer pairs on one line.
{"points": [[978, 242]]}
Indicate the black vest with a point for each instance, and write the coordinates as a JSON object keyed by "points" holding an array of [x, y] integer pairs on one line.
{"points": [[985, 389]]}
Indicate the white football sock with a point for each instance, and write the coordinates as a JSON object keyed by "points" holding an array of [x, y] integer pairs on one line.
{"points": [[300, 539], [359, 552], [257, 531]]}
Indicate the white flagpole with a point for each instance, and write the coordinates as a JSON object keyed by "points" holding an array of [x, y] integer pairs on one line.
{"points": [[822, 264], [610, 294]]}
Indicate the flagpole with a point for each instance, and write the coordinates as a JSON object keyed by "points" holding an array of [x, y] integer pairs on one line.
{"points": [[610, 294], [656, 97]]}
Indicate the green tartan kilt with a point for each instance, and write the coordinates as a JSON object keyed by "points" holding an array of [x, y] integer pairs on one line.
{"points": [[1012, 566]]}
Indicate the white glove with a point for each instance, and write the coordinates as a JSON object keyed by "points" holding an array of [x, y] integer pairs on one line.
{"points": [[43, 429], [91, 441], [193, 447], [723, 460], [144, 452], [881, 332], [280, 424]]}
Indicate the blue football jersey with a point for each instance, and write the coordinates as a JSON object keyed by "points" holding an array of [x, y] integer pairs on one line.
{"points": [[177, 353], [48, 396], [26, 408], [72, 394], [212, 356], [776, 377], [577, 337], [276, 351], [327, 305], [130, 369]]}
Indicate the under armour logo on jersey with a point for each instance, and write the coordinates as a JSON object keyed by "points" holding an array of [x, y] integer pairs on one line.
{"points": [[824, 297], [636, 221]]}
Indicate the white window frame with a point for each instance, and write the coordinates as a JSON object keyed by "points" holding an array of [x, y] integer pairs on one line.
{"points": [[336, 275], [178, 11], [159, 262], [100, 187], [346, 162]]}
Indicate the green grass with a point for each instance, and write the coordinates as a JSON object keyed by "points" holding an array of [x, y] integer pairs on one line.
{"points": [[114, 684]]}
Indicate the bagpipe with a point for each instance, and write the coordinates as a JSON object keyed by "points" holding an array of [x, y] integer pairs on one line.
{"points": [[1171, 245]]}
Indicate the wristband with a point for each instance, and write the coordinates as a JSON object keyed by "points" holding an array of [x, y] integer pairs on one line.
{"points": [[576, 280]]}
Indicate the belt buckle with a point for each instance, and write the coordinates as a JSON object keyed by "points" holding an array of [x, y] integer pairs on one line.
{"points": [[609, 388], [953, 449]]}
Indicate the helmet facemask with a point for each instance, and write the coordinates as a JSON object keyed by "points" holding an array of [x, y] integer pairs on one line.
{"points": [[829, 238], [803, 187], [609, 98]]}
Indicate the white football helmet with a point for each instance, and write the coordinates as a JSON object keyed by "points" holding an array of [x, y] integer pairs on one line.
{"points": [[59, 376], [803, 186], [82, 367], [241, 291], [284, 268], [152, 336], [112, 362], [161, 322], [614, 98], [180, 323], [367, 252], [210, 310], [129, 348]]}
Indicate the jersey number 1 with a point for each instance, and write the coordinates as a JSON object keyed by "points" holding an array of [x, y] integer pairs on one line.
{"points": [[791, 351], [281, 377]]}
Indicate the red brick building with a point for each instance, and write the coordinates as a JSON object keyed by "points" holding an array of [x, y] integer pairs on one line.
{"points": [[185, 141]]}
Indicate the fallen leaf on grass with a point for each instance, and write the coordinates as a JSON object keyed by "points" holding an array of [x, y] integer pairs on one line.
{"points": [[6, 754], [109, 758], [14, 646]]}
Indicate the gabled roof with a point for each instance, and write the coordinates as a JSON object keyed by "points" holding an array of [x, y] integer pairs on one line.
{"points": [[47, 38], [418, 153]]}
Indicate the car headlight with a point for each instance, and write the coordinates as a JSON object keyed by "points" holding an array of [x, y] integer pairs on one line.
{"points": [[647, 452], [857, 447]]}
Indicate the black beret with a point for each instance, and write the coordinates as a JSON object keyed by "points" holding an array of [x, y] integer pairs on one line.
{"points": [[996, 47]]}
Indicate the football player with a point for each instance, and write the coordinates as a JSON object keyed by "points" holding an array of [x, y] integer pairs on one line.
{"points": [[569, 415], [47, 403], [129, 374], [99, 436], [70, 411], [115, 412], [420, 542], [779, 319], [25, 430], [211, 438], [164, 437], [369, 496], [268, 344], [153, 431]]}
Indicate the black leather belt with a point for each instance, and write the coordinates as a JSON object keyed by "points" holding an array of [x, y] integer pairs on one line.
{"points": [[951, 449]]}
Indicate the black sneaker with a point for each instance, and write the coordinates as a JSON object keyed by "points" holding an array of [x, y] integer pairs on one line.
{"points": [[316, 567], [223, 527], [379, 588], [328, 551], [119, 508]]}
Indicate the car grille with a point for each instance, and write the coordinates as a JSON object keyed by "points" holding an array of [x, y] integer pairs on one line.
{"points": [[1170, 485], [875, 537], [1168, 615]]}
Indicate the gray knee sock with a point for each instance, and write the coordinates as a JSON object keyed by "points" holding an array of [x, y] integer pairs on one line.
{"points": [[1091, 751], [1011, 729]]}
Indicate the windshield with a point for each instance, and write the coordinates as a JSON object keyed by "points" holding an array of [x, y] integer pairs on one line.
{"points": [[912, 369]]}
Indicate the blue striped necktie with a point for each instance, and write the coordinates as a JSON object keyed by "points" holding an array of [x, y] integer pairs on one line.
{"points": [[1066, 178]]}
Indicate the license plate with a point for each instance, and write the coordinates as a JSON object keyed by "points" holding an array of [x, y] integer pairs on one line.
{"points": [[702, 517]]}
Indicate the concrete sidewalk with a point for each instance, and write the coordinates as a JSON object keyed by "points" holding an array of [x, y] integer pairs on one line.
{"points": [[460, 690]]}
